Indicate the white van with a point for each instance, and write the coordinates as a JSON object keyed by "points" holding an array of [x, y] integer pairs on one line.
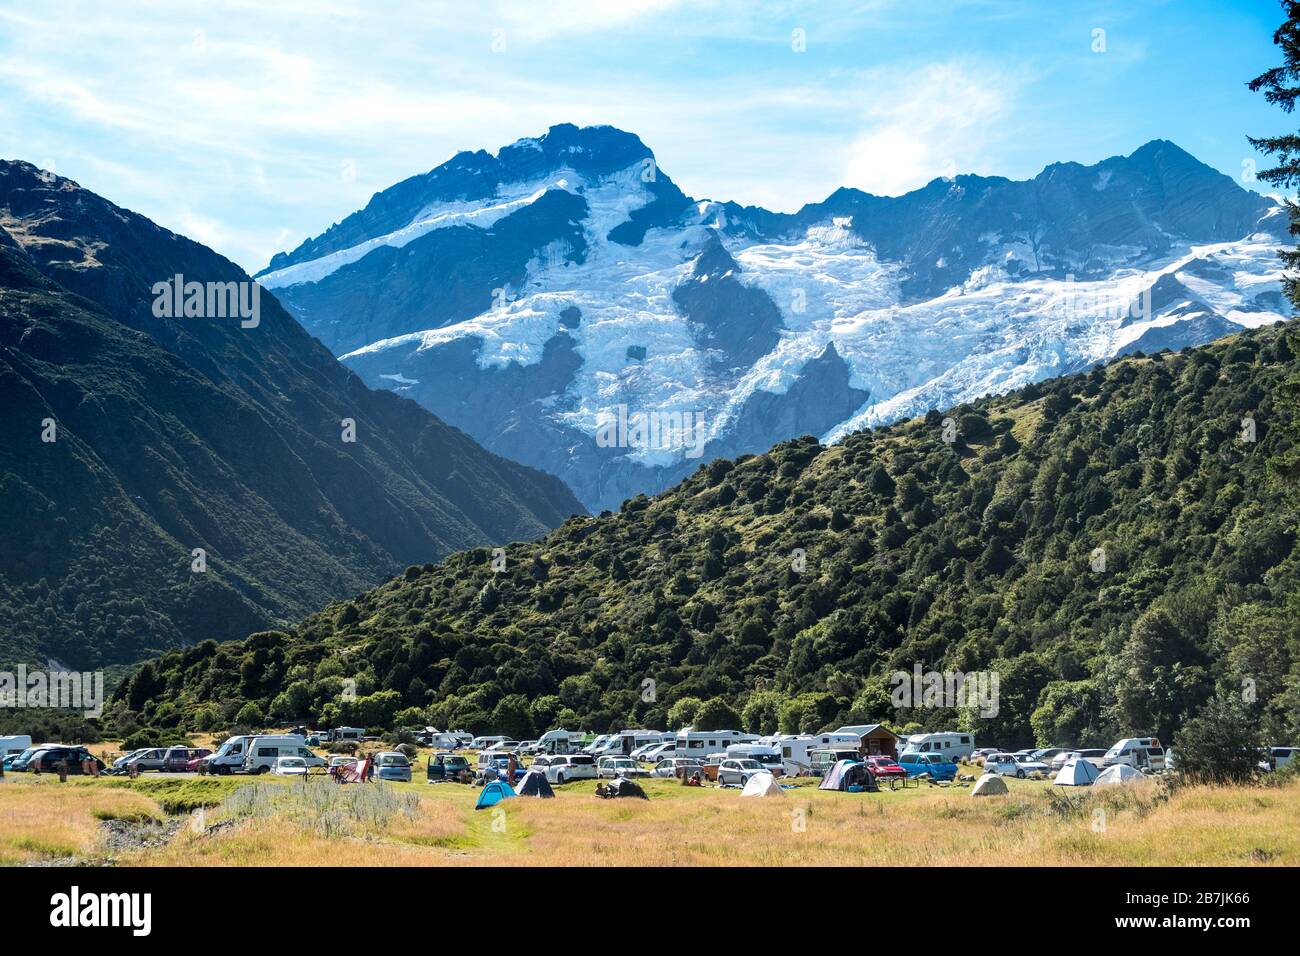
{"points": [[14, 745], [485, 742], [262, 752], [229, 757], [769, 757], [1140, 753], [953, 745]]}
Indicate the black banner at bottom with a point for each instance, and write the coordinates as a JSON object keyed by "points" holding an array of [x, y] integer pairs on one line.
{"points": [[165, 903]]}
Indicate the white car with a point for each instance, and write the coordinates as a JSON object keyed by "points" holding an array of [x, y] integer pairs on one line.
{"points": [[669, 766], [611, 767], [643, 752], [564, 768], [738, 771], [660, 752], [1094, 757], [1009, 765], [290, 767]]}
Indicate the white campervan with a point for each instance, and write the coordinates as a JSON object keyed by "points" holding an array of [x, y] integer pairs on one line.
{"points": [[624, 742], [796, 751], [953, 745], [263, 751], [558, 741], [1140, 753], [704, 743], [485, 742]]}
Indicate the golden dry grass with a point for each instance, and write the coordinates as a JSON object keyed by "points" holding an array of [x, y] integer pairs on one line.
{"points": [[1035, 824], [45, 820]]}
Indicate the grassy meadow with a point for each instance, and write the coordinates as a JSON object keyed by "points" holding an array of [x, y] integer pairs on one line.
{"points": [[272, 822]]}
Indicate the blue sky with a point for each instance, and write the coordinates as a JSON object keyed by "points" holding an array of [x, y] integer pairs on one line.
{"points": [[250, 126]]}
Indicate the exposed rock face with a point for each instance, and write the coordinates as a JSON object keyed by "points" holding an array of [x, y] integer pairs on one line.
{"points": [[573, 278]]}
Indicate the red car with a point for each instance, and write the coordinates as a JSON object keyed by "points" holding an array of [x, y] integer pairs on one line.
{"points": [[885, 767]]}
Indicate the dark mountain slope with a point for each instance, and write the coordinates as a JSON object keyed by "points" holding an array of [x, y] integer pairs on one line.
{"points": [[1107, 543], [175, 434]]}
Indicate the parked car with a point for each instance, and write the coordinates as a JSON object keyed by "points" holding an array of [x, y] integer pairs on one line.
{"points": [[1095, 756], [149, 758], [1275, 758], [611, 767], [937, 766], [8, 762], [48, 759], [670, 766], [566, 767], [179, 759], [341, 760], [886, 767], [18, 763], [448, 766], [985, 751], [391, 765], [290, 767], [643, 752], [494, 765], [658, 752], [738, 772]]}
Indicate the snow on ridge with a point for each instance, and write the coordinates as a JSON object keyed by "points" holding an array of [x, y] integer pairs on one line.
{"points": [[990, 335], [481, 213]]}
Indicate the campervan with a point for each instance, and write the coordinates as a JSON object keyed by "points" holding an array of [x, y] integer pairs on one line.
{"points": [[837, 741], [485, 742], [14, 745], [558, 741], [954, 746], [1140, 753], [340, 734], [704, 743], [263, 751], [768, 757], [437, 739], [796, 751], [624, 742]]}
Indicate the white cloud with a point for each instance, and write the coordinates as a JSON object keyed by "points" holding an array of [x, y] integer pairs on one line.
{"points": [[937, 120]]}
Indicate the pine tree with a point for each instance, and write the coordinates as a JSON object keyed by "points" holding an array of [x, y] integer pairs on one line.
{"points": [[1281, 86]]}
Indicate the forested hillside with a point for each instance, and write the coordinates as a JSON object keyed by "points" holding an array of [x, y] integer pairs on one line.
{"points": [[129, 439], [1113, 544]]}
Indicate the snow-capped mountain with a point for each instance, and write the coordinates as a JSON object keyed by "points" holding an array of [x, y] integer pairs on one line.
{"points": [[568, 306]]}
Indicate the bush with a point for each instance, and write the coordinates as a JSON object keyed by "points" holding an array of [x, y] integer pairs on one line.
{"points": [[1219, 745]]}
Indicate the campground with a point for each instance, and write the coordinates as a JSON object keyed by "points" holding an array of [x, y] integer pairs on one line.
{"points": [[265, 821]]}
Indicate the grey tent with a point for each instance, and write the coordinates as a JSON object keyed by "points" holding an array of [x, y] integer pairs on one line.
{"points": [[851, 775], [625, 787], [1117, 775], [534, 784], [989, 785], [762, 785]]}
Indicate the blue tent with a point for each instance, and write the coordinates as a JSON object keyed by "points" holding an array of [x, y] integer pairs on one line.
{"points": [[492, 794]]}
